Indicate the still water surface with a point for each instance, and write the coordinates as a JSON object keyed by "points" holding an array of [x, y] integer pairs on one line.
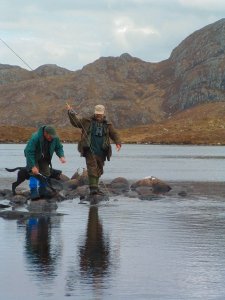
{"points": [[172, 248]]}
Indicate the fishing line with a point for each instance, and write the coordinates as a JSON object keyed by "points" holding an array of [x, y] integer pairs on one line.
{"points": [[16, 54], [85, 132]]}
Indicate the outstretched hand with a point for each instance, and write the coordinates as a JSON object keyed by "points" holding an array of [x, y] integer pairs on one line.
{"points": [[118, 147], [68, 106]]}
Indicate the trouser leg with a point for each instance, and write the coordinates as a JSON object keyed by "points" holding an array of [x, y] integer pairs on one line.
{"points": [[95, 170]]}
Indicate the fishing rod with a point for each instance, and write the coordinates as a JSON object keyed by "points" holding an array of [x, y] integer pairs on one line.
{"points": [[16, 54], [23, 60], [47, 181]]}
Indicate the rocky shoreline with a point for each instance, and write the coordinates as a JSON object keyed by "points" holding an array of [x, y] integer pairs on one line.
{"points": [[76, 187], [150, 188]]}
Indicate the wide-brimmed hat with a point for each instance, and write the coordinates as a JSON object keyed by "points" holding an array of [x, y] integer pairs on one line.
{"points": [[99, 109]]}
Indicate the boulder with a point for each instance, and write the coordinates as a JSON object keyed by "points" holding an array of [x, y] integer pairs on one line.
{"points": [[154, 184], [81, 177], [119, 185]]}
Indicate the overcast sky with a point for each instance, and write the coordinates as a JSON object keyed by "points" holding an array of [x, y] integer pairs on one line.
{"points": [[73, 33]]}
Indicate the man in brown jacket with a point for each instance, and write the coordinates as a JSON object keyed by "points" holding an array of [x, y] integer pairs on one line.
{"points": [[94, 144]]}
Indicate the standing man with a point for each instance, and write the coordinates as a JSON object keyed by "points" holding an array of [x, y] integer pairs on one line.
{"points": [[95, 142], [39, 152]]}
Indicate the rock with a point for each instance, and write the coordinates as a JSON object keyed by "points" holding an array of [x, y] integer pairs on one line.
{"points": [[131, 194], [42, 205], [83, 191], [24, 215], [82, 178], [19, 199], [182, 193], [64, 178], [120, 185], [71, 184], [157, 186], [5, 194]]}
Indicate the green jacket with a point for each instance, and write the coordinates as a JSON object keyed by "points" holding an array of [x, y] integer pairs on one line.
{"points": [[33, 150], [85, 142]]}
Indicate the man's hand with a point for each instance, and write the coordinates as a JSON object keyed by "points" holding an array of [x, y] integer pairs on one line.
{"points": [[118, 147], [68, 107], [35, 170], [63, 160]]}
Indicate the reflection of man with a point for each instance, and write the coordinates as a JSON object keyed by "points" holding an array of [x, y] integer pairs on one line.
{"points": [[38, 239], [39, 152], [94, 255], [38, 245], [95, 142]]}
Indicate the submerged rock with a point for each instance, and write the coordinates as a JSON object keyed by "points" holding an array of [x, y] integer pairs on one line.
{"points": [[77, 187], [42, 205]]}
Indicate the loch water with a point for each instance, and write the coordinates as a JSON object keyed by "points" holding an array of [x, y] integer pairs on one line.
{"points": [[126, 248]]}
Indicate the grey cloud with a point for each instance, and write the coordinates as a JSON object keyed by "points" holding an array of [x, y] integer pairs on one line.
{"points": [[73, 33]]}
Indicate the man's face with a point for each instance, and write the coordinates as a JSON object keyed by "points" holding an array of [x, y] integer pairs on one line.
{"points": [[99, 117], [47, 136]]}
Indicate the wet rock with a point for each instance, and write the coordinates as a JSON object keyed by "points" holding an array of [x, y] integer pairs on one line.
{"points": [[131, 194], [83, 191], [182, 193], [19, 199], [156, 185], [5, 194], [3, 206], [81, 177], [42, 205], [119, 185], [95, 199], [24, 215], [71, 184], [64, 178]]}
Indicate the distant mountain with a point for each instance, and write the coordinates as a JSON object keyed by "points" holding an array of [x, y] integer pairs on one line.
{"points": [[134, 92], [51, 70]]}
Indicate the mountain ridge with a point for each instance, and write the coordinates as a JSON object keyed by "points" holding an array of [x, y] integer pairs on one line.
{"points": [[134, 92]]}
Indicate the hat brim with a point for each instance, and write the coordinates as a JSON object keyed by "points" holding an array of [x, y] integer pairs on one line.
{"points": [[99, 113]]}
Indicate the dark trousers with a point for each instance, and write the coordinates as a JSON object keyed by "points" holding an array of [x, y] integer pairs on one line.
{"points": [[94, 164]]}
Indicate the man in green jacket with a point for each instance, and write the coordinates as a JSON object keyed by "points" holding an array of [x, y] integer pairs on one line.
{"points": [[95, 142], [38, 152]]}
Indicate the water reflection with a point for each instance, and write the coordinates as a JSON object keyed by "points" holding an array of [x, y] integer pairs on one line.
{"points": [[93, 265], [42, 256], [94, 254]]}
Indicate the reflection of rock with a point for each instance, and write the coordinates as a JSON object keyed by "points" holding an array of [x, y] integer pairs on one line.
{"points": [[24, 215]]}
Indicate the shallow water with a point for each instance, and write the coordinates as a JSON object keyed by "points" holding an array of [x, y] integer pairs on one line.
{"points": [[170, 248]]}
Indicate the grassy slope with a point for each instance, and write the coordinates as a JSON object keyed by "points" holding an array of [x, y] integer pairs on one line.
{"points": [[202, 124]]}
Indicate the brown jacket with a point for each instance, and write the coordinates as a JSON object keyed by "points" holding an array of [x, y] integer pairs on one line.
{"points": [[85, 142]]}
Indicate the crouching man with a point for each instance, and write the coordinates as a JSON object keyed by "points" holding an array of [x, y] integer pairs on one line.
{"points": [[95, 142], [38, 152]]}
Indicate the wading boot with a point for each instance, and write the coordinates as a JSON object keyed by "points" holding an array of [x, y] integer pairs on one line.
{"points": [[93, 190], [34, 195]]}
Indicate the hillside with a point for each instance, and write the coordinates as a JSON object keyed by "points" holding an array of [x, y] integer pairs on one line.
{"points": [[202, 124], [136, 93]]}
